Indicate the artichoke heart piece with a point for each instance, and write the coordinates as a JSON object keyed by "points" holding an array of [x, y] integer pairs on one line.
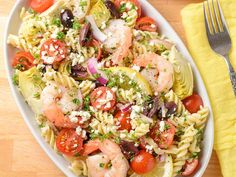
{"points": [[100, 13], [31, 86], [183, 83]]}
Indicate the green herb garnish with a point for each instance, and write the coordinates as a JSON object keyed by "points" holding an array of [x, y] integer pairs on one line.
{"points": [[56, 21], [37, 95], [60, 35], [76, 25], [76, 101]]}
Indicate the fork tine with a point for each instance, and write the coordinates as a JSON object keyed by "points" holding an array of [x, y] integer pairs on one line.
{"points": [[207, 24], [222, 18], [211, 17], [217, 17]]}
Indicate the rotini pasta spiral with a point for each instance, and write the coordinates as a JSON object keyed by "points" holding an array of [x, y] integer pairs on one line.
{"points": [[131, 18], [60, 78], [86, 87], [171, 96], [197, 119], [46, 131], [103, 123], [126, 96], [183, 146], [79, 167]]}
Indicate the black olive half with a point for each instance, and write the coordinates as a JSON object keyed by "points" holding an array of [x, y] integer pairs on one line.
{"points": [[67, 18], [111, 6]]}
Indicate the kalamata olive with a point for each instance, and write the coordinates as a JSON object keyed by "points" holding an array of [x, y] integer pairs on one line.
{"points": [[155, 107], [79, 71], [67, 18], [128, 149], [171, 106], [111, 6], [85, 34]]}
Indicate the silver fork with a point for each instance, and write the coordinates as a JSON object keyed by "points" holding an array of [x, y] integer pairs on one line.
{"points": [[218, 35]]}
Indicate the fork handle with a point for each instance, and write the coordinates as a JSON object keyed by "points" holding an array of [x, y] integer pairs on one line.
{"points": [[232, 73]]}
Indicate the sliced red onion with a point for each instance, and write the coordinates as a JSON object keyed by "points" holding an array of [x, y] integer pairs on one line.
{"points": [[126, 107], [92, 66], [162, 158], [97, 33], [93, 69]]}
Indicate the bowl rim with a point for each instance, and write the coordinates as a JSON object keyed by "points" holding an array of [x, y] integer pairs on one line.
{"points": [[183, 50]]}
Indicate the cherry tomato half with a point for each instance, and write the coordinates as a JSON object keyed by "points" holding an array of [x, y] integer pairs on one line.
{"points": [[124, 120], [103, 98], [53, 51], [193, 103], [134, 2], [146, 24], [164, 139], [41, 5], [143, 163], [190, 167], [23, 61], [69, 142]]}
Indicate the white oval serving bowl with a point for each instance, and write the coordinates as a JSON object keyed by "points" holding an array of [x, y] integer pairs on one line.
{"points": [[164, 27]]}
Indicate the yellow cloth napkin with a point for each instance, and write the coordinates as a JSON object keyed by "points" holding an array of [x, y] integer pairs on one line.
{"points": [[215, 75]]}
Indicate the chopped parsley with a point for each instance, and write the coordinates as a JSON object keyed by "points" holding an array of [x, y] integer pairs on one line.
{"points": [[166, 127], [83, 3], [101, 136], [96, 76], [109, 165], [31, 11], [15, 79], [20, 67], [60, 35], [76, 25], [86, 103], [122, 8], [37, 95], [101, 165], [76, 101], [194, 155], [56, 21]]}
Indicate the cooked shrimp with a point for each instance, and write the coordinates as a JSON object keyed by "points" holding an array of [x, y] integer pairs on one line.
{"points": [[58, 101], [109, 163], [119, 39], [158, 71]]}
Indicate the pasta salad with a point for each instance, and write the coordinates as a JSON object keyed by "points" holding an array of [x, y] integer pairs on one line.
{"points": [[109, 92]]}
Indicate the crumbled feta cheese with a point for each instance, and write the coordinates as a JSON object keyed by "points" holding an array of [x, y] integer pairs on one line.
{"points": [[83, 135], [114, 89], [151, 43], [108, 105], [124, 15], [137, 108], [109, 96], [156, 93], [74, 119], [99, 93], [149, 148], [40, 66], [129, 5], [76, 58], [78, 130], [85, 115], [103, 25], [153, 26], [122, 135], [162, 126], [136, 68]]}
